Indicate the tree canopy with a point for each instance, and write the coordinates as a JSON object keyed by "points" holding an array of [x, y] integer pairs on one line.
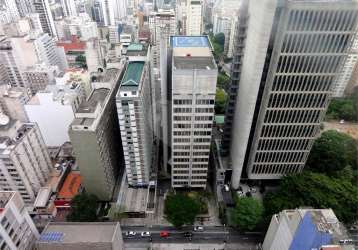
{"points": [[220, 39], [116, 212], [343, 108], [83, 208], [317, 191], [223, 81], [181, 209], [220, 101], [248, 213], [333, 151]]}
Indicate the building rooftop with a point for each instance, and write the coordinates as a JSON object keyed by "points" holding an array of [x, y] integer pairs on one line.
{"points": [[13, 133], [5, 196], [137, 49], [98, 96], [189, 41], [42, 197], [72, 232], [70, 187], [193, 62], [133, 74]]}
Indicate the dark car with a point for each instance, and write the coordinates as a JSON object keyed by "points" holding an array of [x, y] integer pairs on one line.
{"points": [[188, 234]]}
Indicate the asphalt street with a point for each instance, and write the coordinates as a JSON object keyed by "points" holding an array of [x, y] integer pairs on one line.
{"points": [[209, 235]]}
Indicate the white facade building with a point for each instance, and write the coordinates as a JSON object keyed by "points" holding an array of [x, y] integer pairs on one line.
{"points": [[42, 7], [81, 26], [11, 10], [194, 18], [24, 160], [17, 230], [39, 76], [134, 106], [193, 87], [69, 7], [279, 109], [59, 103]]}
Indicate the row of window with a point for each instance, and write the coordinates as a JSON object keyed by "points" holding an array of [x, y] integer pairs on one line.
{"points": [[283, 144], [292, 116], [302, 83], [277, 157], [189, 118], [289, 130], [187, 140], [298, 100], [276, 169]]}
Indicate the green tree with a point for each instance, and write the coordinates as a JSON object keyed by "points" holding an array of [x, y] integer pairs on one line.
{"points": [[117, 212], [220, 39], [223, 81], [83, 208], [181, 209], [333, 151], [248, 213], [343, 108], [80, 59], [317, 191], [220, 101]]}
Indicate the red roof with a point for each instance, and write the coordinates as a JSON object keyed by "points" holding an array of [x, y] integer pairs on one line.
{"points": [[70, 187], [74, 44]]}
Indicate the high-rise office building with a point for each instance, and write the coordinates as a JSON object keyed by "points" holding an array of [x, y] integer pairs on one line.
{"points": [[194, 17], [95, 136], [134, 106], [162, 26], [42, 7], [69, 7], [293, 53], [192, 89], [24, 159], [103, 12], [17, 229]]}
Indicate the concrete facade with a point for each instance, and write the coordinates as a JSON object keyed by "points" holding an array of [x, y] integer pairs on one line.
{"points": [[194, 17], [17, 229], [42, 7], [280, 108], [95, 137], [192, 98]]}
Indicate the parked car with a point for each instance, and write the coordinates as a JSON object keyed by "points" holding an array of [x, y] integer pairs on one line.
{"points": [[240, 193], [188, 234], [164, 234], [131, 233], [145, 234], [253, 190], [226, 187], [198, 228]]}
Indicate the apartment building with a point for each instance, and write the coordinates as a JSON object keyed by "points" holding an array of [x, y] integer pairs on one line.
{"points": [[42, 7], [291, 61], [134, 107], [194, 17], [24, 160], [192, 98], [17, 229]]}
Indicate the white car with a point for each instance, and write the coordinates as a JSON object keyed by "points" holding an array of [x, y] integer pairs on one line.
{"points": [[226, 187], [253, 190], [131, 233], [240, 193], [145, 234], [198, 228]]}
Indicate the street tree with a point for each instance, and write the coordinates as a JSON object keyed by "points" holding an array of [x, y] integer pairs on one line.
{"points": [[248, 213], [181, 209], [314, 190], [333, 151], [83, 208]]}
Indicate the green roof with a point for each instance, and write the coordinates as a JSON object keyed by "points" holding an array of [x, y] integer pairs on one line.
{"points": [[219, 119], [135, 47], [133, 74]]}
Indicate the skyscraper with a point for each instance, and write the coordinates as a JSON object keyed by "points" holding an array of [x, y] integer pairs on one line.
{"points": [[194, 17], [69, 7], [95, 136], [192, 89], [293, 53], [134, 106], [42, 7]]}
